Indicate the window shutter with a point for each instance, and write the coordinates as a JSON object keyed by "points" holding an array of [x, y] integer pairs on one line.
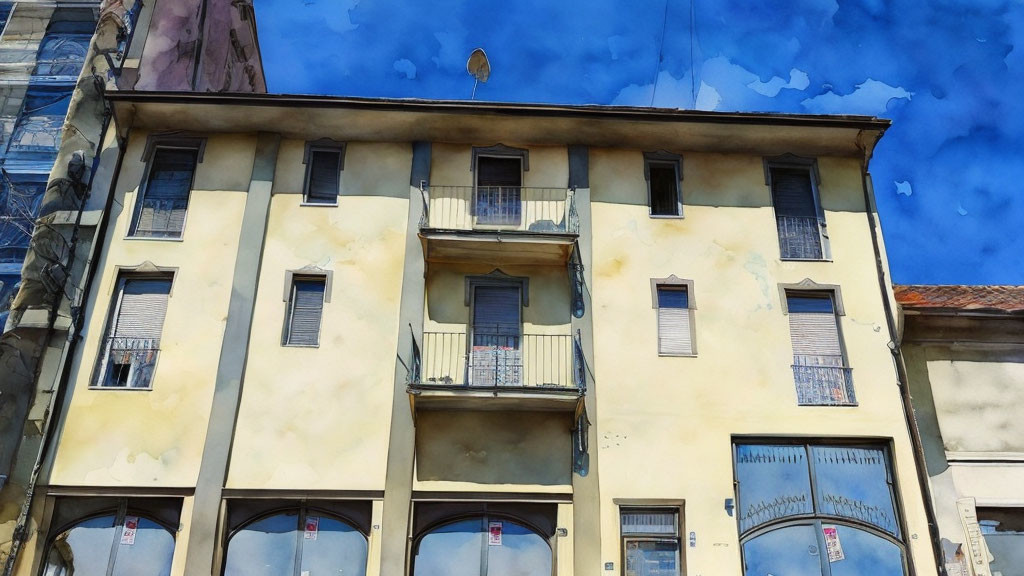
{"points": [[166, 196], [324, 176], [648, 522], [792, 193], [307, 309], [674, 322], [499, 171], [142, 309], [495, 311], [664, 187], [813, 329]]}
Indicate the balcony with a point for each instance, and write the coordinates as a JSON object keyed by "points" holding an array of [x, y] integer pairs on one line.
{"points": [[823, 381], [498, 224], [799, 238], [499, 371], [128, 362]]}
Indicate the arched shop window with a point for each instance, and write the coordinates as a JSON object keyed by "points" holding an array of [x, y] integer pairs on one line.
{"points": [[301, 540], [818, 509], [490, 544], [114, 537]]}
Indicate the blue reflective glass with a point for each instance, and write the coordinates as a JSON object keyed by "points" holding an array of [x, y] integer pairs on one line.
{"points": [[854, 483], [148, 553], [672, 298], [809, 304], [337, 548], [774, 483], [521, 552], [83, 550], [469, 548], [790, 551], [857, 552], [451, 550], [264, 548]]}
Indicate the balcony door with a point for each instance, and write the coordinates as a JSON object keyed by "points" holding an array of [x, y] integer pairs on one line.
{"points": [[498, 186], [496, 354]]}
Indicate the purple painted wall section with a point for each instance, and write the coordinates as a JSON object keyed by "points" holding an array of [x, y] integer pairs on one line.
{"points": [[230, 59]]}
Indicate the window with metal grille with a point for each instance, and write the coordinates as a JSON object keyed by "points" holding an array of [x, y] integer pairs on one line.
{"points": [[819, 364], [132, 343], [796, 214], [650, 542], [496, 355], [305, 309], [499, 182], [675, 326], [323, 176], [818, 509], [161, 209]]}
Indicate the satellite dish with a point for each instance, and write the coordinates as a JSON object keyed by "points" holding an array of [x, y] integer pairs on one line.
{"points": [[479, 67]]}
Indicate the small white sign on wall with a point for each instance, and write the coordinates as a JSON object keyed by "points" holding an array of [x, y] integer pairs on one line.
{"points": [[832, 544], [494, 534]]}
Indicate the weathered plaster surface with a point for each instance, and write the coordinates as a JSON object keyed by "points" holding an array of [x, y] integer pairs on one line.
{"points": [[155, 437], [319, 418]]}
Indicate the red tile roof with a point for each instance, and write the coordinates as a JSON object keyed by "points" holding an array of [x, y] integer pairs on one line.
{"points": [[963, 298]]}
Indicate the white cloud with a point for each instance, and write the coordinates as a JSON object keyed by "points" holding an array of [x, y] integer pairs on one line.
{"points": [[870, 97], [707, 98], [903, 187], [798, 80], [406, 67], [672, 92]]}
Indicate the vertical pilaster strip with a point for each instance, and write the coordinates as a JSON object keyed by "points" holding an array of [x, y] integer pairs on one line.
{"points": [[203, 537], [401, 450], [586, 494]]}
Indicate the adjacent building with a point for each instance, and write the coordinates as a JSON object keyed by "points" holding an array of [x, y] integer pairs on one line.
{"points": [[964, 353]]}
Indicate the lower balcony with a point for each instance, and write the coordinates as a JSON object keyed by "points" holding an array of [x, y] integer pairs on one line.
{"points": [[499, 371], [823, 381]]}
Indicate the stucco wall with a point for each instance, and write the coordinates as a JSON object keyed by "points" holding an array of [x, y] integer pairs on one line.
{"points": [[120, 437], [319, 418], [665, 425]]}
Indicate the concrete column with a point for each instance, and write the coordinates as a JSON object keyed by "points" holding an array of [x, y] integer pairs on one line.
{"points": [[203, 535]]}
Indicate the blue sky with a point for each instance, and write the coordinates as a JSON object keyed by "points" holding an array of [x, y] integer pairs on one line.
{"points": [[949, 175]]}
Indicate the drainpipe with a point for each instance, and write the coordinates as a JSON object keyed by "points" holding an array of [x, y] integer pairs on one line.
{"points": [[52, 415], [897, 357]]}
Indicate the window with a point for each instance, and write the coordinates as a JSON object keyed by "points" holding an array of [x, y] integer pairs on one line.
{"points": [[650, 542], [323, 176], [797, 215], [160, 210], [298, 541], [817, 509], [499, 182], [305, 309], [133, 337], [675, 330], [1003, 529], [486, 545], [664, 172], [120, 537], [819, 365], [496, 353]]}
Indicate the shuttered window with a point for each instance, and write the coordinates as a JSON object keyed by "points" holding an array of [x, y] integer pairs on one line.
{"points": [[814, 331], [796, 214], [650, 542], [324, 176], [133, 339], [305, 311], [496, 316], [674, 334], [161, 212], [664, 189]]}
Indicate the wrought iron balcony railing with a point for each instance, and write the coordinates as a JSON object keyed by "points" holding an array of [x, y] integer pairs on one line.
{"points": [[799, 237], [823, 381], [128, 362], [505, 208], [498, 360]]}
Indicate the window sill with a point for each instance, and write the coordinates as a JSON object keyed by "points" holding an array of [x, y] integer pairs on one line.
{"points": [[121, 388], [300, 345], [155, 238], [805, 259], [319, 204], [664, 355], [666, 216]]}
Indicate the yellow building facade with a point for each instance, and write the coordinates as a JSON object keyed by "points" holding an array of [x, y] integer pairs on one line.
{"points": [[334, 336]]}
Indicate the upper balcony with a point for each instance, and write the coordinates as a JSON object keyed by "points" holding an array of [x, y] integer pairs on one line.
{"points": [[498, 369], [498, 224]]}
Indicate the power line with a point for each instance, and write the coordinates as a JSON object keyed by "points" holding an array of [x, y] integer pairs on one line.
{"points": [[693, 71], [661, 48]]}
